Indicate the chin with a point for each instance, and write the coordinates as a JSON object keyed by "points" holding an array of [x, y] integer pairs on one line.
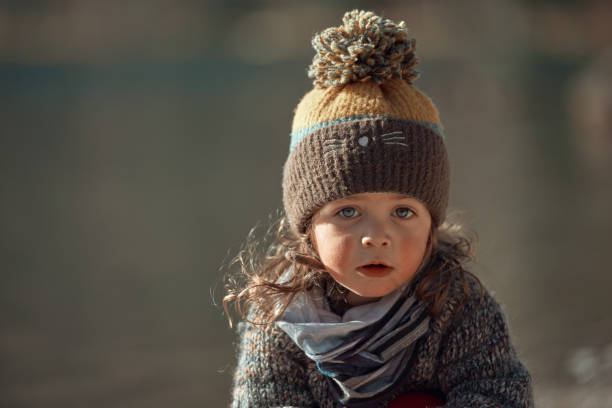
{"points": [[373, 293]]}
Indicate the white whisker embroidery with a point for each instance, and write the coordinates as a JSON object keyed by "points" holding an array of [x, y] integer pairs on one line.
{"points": [[392, 134], [332, 145], [337, 145]]}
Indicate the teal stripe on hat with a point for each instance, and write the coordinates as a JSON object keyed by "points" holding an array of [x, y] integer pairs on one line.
{"points": [[299, 135]]}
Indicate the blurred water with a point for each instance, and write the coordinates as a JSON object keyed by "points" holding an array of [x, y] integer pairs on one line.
{"points": [[125, 184]]}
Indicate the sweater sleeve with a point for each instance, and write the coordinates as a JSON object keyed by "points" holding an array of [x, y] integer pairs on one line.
{"points": [[479, 366], [269, 371]]}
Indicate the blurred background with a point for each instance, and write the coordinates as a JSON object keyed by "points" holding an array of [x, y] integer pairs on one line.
{"points": [[142, 140]]}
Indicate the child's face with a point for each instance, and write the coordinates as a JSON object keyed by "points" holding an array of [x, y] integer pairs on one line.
{"points": [[371, 228]]}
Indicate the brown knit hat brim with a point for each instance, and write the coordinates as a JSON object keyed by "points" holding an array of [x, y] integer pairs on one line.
{"points": [[366, 155]]}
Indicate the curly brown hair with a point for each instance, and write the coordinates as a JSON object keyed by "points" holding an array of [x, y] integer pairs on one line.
{"points": [[256, 285]]}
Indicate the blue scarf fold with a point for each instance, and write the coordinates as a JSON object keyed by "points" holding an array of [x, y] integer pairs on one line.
{"points": [[365, 352]]}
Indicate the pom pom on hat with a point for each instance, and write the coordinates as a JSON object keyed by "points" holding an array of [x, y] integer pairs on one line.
{"points": [[365, 47]]}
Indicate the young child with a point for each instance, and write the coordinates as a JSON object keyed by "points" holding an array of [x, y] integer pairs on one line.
{"points": [[363, 299]]}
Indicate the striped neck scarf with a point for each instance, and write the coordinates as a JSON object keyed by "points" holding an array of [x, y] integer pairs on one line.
{"points": [[365, 352]]}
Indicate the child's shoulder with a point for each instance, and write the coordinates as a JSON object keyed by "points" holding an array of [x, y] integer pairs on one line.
{"points": [[266, 345], [476, 356], [266, 336], [469, 302]]}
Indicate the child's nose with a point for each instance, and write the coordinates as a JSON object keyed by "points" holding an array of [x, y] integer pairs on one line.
{"points": [[374, 240]]}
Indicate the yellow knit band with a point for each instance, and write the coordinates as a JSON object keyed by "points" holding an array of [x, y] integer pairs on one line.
{"points": [[395, 98]]}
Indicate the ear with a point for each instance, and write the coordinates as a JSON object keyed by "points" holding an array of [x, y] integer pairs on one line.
{"points": [[433, 238], [432, 243]]}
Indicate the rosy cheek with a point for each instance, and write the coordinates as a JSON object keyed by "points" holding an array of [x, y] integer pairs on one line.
{"points": [[336, 252], [414, 249]]}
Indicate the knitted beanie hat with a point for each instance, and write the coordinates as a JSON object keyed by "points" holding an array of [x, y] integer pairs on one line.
{"points": [[364, 127]]}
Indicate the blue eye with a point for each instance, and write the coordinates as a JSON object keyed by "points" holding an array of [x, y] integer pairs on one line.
{"points": [[348, 212], [404, 212]]}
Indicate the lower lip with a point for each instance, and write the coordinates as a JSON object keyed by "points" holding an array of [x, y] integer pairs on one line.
{"points": [[377, 272]]}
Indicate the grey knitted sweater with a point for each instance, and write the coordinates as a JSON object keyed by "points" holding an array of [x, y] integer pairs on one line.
{"points": [[467, 357]]}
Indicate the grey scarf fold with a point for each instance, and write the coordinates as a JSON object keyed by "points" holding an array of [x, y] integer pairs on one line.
{"points": [[365, 352]]}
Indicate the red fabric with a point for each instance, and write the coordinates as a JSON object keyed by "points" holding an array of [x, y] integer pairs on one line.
{"points": [[416, 400]]}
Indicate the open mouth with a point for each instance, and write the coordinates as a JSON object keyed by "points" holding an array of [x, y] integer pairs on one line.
{"points": [[375, 269]]}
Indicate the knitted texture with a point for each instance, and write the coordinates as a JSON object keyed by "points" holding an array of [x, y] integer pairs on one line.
{"points": [[394, 98], [366, 46], [468, 358], [270, 371], [366, 155], [363, 73]]}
